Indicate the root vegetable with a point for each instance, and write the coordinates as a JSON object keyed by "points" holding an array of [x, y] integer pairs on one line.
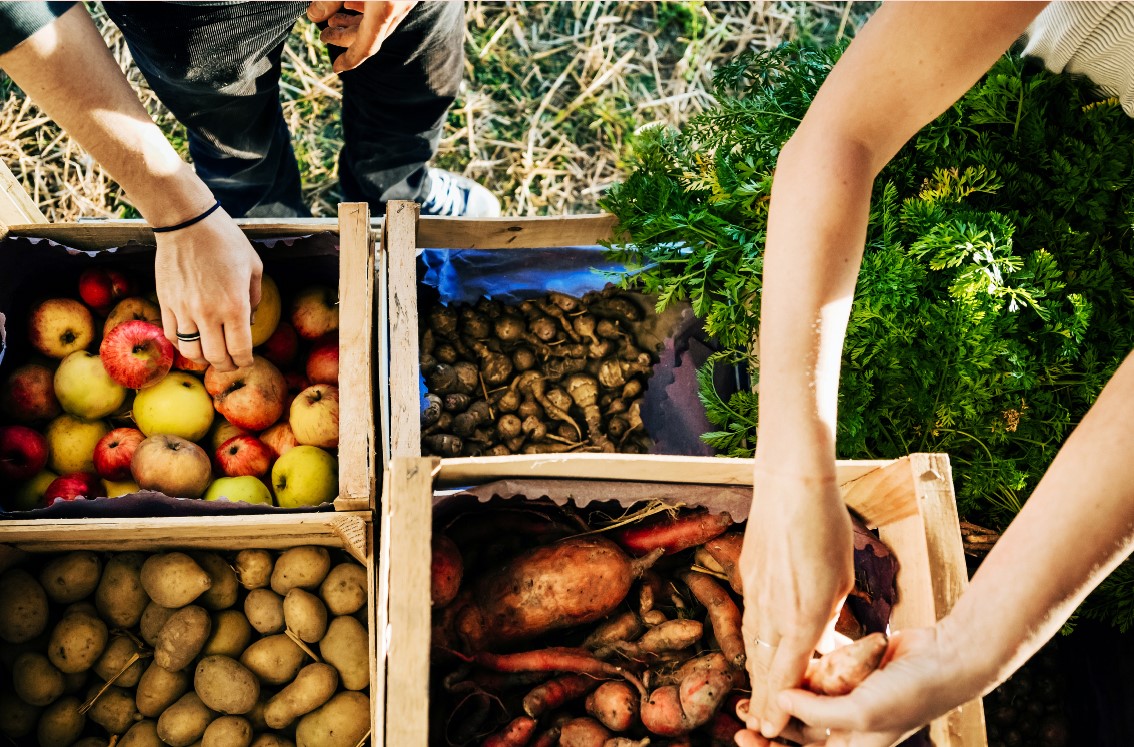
{"points": [[225, 685], [529, 408], [725, 550], [622, 627], [446, 353], [649, 592], [71, 577], [615, 705], [305, 615], [724, 615], [442, 379], [509, 328], [556, 368], [443, 445], [577, 660], [673, 534], [36, 680], [465, 423], [264, 610], [533, 428], [583, 732], [342, 721], [723, 727], [344, 589], [548, 737], [254, 568], [615, 372], [455, 402], [518, 733], [844, 669], [61, 723], [583, 390], [446, 570], [468, 377], [474, 324], [674, 710], [672, 635], [76, 642], [653, 617], [627, 742], [616, 307], [173, 579], [313, 686], [182, 638], [275, 659], [159, 689], [432, 410], [227, 731], [443, 321], [555, 693], [507, 401], [509, 426], [344, 647]]}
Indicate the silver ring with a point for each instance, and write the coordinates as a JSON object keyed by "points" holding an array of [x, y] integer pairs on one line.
{"points": [[190, 337]]}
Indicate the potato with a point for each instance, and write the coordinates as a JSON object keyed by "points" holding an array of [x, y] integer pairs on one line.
{"points": [[223, 587], [90, 742], [256, 715], [60, 724], [182, 638], [344, 589], [313, 686], [228, 731], [154, 617], [73, 682], [119, 651], [305, 615], [346, 648], [115, 710], [184, 722], [23, 607], [36, 680], [230, 636], [142, 734], [159, 689], [120, 597], [254, 568], [274, 659], [71, 577], [271, 740], [225, 685], [17, 718], [300, 568], [76, 642], [264, 610], [173, 579], [342, 722]]}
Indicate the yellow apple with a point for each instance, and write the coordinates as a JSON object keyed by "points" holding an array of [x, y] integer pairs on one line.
{"points": [[72, 442], [247, 489], [305, 476], [221, 431], [314, 416], [58, 327], [266, 316], [29, 493], [119, 488], [178, 405], [84, 388]]}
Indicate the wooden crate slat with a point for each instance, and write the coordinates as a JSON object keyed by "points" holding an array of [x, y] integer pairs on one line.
{"points": [[543, 232], [102, 234], [400, 241], [16, 205]]}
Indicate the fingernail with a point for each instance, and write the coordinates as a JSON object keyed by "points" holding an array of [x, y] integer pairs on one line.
{"points": [[767, 729]]}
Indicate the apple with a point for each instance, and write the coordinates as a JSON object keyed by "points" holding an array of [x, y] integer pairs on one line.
{"points": [[28, 494], [84, 387], [305, 476], [282, 347], [181, 363], [296, 383], [315, 312], [266, 315], [136, 354], [72, 486], [221, 431], [119, 488], [71, 442], [23, 452], [113, 452], [246, 488], [314, 416], [323, 362], [101, 288], [279, 439], [251, 397], [245, 456], [29, 394], [171, 465], [178, 405], [130, 309], [58, 327]]}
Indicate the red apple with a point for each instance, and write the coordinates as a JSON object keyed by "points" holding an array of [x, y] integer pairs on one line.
{"points": [[323, 362], [296, 383], [245, 455], [114, 451], [181, 363], [282, 347], [58, 327], [315, 312], [23, 452], [252, 397], [136, 354], [101, 288], [171, 465], [314, 416], [29, 394], [279, 439], [73, 486]]}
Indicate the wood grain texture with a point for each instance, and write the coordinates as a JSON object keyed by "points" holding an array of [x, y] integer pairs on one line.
{"points": [[515, 233], [16, 205], [101, 234], [400, 243], [382, 292]]}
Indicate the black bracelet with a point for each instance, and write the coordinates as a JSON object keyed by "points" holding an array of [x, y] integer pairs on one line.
{"points": [[191, 221]]}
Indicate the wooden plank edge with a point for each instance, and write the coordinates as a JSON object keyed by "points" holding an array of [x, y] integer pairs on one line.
{"points": [[377, 677], [539, 232], [381, 633], [382, 297], [16, 205], [400, 242]]}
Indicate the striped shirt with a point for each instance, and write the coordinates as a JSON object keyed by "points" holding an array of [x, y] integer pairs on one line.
{"points": [[1095, 39]]}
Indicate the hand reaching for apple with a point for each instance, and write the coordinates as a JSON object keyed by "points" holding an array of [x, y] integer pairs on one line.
{"points": [[208, 282]]}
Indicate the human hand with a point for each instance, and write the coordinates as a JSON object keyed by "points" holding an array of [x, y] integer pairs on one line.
{"points": [[208, 281], [797, 566], [363, 34]]}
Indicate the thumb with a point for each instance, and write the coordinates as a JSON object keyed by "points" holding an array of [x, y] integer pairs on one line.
{"points": [[317, 12], [818, 710]]}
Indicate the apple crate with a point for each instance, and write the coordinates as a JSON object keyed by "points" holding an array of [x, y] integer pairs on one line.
{"points": [[910, 501], [302, 250], [22, 542]]}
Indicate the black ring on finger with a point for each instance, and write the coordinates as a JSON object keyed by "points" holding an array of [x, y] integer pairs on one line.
{"points": [[188, 336]]}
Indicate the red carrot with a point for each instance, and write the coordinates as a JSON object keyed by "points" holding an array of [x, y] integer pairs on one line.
{"points": [[723, 613], [516, 734], [726, 551], [673, 534], [554, 693]]}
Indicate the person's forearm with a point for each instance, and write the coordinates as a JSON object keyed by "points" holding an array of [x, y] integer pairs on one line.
{"points": [[67, 70], [1075, 529]]}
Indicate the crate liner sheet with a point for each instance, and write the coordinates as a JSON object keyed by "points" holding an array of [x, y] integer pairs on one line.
{"points": [[671, 411], [31, 270]]}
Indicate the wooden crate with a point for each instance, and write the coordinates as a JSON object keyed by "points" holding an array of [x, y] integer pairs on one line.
{"points": [[910, 501], [357, 437]]}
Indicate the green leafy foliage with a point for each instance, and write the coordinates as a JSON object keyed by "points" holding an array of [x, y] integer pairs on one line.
{"points": [[996, 290]]}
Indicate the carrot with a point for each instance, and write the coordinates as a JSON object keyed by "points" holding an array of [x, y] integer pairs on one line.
{"points": [[622, 627], [844, 669], [673, 534], [518, 733], [583, 732], [675, 710], [554, 693], [615, 705], [447, 569], [726, 551], [723, 614]]}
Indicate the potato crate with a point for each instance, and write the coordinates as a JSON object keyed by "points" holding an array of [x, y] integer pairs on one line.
{"points": [[909, 501]]}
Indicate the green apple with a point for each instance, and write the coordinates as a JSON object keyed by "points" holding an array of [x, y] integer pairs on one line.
{"points": [[72, 442], [119, 488], [29, 493], [178, 405], [305, 476], [248, 489], [83, 387]]}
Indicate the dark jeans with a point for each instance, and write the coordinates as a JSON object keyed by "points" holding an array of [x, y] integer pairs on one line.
{"points": [[217, 69]]}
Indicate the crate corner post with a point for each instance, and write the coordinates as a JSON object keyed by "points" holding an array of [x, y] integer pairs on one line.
{"points": [[16, 205], [400, 240]]}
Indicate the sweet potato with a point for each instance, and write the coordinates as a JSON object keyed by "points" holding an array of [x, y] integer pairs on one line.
{"points": [[672, 534], [615, 705], [724, 615], [583, 732], [844, 669], [577, 660], [626, 742], [726, 551], [554, 693], [622, 627], [723, 727], [674, 710], [650, 591], [447, 569], [571, 582], [672, 635], [518, 733]]}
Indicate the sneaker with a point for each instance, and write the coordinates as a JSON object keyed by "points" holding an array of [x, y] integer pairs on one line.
{"points": [[456, 196]]}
